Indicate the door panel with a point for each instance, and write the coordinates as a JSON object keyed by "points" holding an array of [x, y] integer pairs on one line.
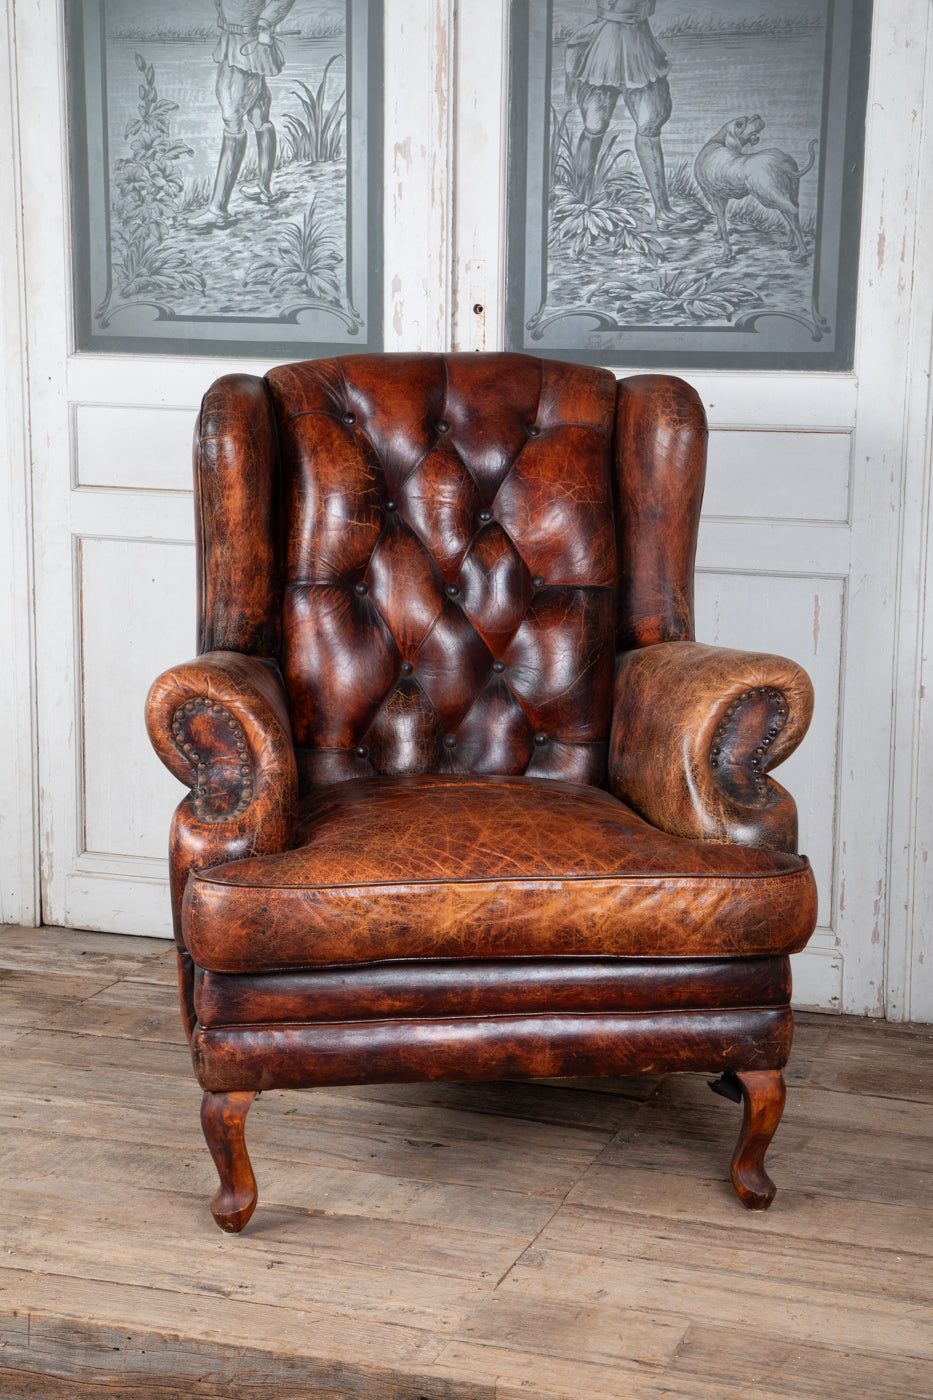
{"points": [[127, 589], [156, 452], [762, 611], [779, 475]]}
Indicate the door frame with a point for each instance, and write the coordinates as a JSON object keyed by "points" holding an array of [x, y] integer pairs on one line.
{"points": [[19, 790], [909, 980]]}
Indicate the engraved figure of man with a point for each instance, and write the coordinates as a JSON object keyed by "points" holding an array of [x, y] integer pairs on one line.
{"points": [[614, 54], [247, 52]]}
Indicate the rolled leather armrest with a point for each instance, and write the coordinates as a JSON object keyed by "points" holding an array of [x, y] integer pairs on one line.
{"points": [[696, 729], [220, 725]]}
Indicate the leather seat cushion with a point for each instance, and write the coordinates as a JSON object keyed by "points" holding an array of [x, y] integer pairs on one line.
{"points": [[462, 867]]}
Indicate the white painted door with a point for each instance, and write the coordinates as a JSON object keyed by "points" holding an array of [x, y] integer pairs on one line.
{"points": [[810, 486], [111, 452], [802, 539]]}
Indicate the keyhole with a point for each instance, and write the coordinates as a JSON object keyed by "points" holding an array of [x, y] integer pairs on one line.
{"points": [[478, 308]]}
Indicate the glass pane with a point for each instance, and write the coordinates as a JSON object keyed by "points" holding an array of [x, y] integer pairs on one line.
{"points": [[685, 180], [226, 174]]}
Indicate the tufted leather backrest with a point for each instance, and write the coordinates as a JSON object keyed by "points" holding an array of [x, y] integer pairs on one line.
{"points": [[449, 564], [425, 545]]}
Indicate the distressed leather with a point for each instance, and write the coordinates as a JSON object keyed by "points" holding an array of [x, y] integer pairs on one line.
{"points": [[466, 799], [531, 1046], [715, 721], [220, 725], [502, 987], [441, 867], [449, 565]]}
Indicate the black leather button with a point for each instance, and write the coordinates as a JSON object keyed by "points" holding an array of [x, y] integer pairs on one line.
{"points": [[361, 588], [534, 430], [390, 505], [538, 581], [349, 417], [498, 666], [485, 515], [406, 668], [540, 740], [452, 590], [450, 741], [443, 427], [361, 751]]}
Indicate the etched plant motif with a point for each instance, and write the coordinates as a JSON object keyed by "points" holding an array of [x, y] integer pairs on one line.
{"points": [[315, 135], [147, 192], [603, 206], [303, 258], [709, 297], [713, 296]]}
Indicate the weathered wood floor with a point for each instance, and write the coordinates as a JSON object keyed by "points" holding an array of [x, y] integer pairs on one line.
{"points": [[446, 1242]]}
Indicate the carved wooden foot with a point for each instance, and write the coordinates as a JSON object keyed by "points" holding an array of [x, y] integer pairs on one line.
{"points": [[223, 1118], [763, 1095]]}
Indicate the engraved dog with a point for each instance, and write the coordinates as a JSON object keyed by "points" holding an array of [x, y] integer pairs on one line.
{"points": [[728, 168]]}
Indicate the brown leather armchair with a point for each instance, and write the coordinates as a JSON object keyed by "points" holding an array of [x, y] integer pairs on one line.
{"points": [[467, 801]]}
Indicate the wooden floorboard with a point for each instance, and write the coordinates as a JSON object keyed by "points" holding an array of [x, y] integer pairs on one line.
{"points": [[547, 1241]]}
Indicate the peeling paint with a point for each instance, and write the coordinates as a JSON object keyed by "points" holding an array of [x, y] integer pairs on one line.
{"points": [[876, 910], [842, 898], [402, 152], [881, 251], [398, 319]]}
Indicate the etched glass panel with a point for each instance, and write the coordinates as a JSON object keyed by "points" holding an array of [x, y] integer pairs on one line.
{"points": [[685, 180], [226, 172]]}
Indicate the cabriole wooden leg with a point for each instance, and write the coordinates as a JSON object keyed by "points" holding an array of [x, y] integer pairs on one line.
{"points": [[223, 1118], [764, 1098], [763, 1095]]}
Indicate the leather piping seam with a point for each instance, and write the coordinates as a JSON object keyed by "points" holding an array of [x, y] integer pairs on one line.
{"points": [[493, 1016], [493, 782], [313, 969], [206, 877]]}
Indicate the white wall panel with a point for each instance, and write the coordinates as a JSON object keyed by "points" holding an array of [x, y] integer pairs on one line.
{"points": [[778, 476], [802, 618], [137, 619], [134, 446]]}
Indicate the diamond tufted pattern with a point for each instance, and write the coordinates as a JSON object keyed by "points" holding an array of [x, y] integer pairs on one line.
{"points": [[450, 565]]}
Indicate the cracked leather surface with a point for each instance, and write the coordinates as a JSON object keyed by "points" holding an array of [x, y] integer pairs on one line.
{"points": [[503, 1047], [447, 867], [450, 565], [513, 986], [714, 720]]}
